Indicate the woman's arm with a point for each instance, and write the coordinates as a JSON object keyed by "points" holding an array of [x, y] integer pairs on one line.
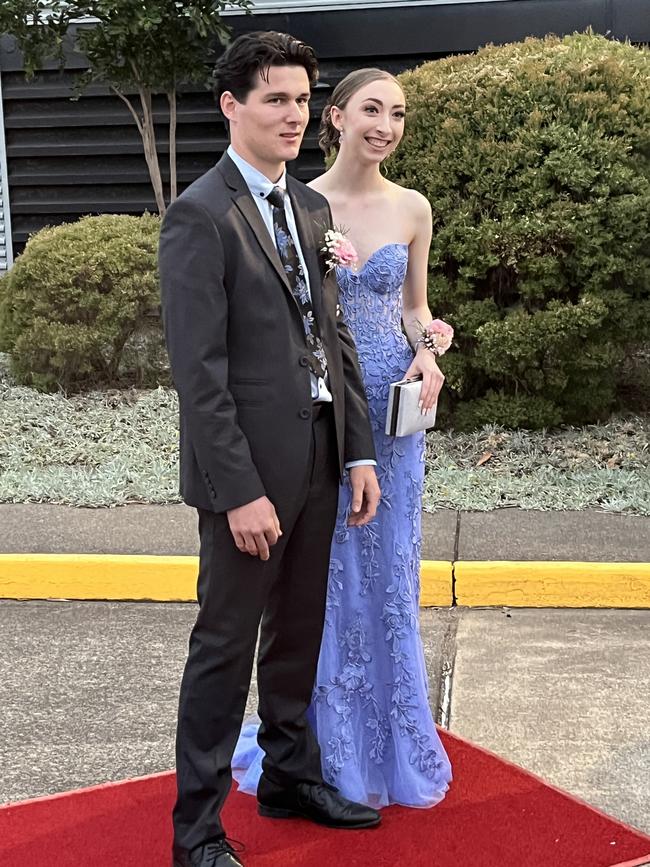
{"points": [[415, 307]]}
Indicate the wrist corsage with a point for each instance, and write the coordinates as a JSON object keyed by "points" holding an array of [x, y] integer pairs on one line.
{"points": [[436, 337], [339, 249]]}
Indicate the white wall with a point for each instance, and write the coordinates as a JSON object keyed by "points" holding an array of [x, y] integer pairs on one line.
{"points": [[5, 223], [261, 6]]}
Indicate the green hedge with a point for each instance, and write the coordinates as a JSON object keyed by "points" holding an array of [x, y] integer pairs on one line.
{"points": [[79, 308], [535, 158]]}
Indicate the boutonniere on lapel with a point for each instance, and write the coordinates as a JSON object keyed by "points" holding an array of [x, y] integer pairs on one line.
{"points": [[339, 250]]}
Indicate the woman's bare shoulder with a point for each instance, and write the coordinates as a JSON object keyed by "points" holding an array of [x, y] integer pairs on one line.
{"points": [[337, 198], [414, 201]]}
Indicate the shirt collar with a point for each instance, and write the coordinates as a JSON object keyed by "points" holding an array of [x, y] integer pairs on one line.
{"points": [[258, 184]]}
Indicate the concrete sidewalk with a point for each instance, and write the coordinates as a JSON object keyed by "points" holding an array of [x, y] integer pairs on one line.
{"points": [[89, 692], [506, 534], [89, 689]]}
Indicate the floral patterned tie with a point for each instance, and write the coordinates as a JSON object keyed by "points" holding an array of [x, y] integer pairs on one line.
{"points": [[296, 277]]}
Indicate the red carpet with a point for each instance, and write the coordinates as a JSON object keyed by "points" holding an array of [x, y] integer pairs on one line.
{"points": [[496, 815]]}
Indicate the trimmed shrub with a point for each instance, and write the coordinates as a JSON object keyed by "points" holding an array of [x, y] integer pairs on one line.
{"points": [[535, 158], [80, 306]]}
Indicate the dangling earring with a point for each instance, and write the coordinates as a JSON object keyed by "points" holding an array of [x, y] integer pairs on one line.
{"points": [[341, 136]]}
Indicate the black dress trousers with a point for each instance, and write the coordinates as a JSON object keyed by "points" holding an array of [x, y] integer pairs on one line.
{"points": [[237, 592]]}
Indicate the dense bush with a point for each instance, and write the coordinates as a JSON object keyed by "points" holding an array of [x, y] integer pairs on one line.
{"points": [[535, 158], [79, 307]]}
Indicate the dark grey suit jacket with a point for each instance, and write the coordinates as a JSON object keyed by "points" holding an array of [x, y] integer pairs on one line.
{"points": [[237, 350]]}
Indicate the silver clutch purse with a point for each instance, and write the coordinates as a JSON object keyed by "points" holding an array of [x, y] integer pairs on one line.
{"points": [[404, 416]]}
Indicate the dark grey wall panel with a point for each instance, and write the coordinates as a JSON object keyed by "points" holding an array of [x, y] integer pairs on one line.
{"points": [[631, 20], [440, 29], [66, 158], [456, 27]]}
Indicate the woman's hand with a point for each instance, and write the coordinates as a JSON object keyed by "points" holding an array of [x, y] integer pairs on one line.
{"points": [[424, 364]]}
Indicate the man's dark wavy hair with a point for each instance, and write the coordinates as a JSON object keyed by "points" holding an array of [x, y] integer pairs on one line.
{"points": [[252, 54]]}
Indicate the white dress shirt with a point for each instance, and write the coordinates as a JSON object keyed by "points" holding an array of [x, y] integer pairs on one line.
{"points": [[260, 187]]}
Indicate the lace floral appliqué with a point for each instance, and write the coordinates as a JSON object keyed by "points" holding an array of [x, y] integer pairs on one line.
{"points": [[371, 703]]}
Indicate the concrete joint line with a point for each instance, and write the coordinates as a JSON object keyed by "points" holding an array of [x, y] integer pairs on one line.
{"points": [[455, 560], [447, 668]]}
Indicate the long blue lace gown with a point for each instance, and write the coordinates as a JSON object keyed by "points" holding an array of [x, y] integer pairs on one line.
{"points": [[370, 708]]}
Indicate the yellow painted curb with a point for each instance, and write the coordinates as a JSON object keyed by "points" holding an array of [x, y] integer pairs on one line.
{"points": [[98, 576], [551, 584], [486, 583], [436, 584], [140, 577]]}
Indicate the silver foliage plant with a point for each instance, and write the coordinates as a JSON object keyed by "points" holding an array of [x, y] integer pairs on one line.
{"points": [[116, 447]]}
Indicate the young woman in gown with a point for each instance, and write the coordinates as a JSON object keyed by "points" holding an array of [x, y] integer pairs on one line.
{"points": [[370, 708]]}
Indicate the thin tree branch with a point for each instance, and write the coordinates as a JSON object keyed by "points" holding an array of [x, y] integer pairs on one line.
{"points": [[173, 188], [130, 107]]}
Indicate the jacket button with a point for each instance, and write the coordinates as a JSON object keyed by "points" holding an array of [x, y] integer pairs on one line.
{"points": [[305, 413], [303, 361]]}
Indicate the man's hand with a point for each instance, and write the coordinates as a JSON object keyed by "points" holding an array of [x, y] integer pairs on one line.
{"points": [[365, 495], [255, 527]]}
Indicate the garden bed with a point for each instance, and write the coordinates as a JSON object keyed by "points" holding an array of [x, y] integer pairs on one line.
{"points": [[116, 447]]}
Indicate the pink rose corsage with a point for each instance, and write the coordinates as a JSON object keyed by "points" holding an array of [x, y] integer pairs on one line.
{"points": [[436, 336], [340, 250]]}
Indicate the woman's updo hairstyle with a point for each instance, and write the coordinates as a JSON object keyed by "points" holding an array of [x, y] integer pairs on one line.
{"points": [[328, 134]]}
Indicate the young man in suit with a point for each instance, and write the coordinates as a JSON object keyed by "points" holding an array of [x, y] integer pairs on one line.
{"points": [[272, 409]]}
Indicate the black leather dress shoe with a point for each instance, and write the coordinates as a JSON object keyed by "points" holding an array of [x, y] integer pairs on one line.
{"points": [[321, 804], [213, 853]]}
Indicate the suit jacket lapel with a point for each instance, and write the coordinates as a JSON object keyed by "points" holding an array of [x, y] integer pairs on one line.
{"points": [[244, 202], [308, 244]]}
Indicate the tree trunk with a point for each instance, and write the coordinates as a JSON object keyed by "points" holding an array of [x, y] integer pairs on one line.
{"points": [[147, 132], [150, 152], [173, 191]]}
